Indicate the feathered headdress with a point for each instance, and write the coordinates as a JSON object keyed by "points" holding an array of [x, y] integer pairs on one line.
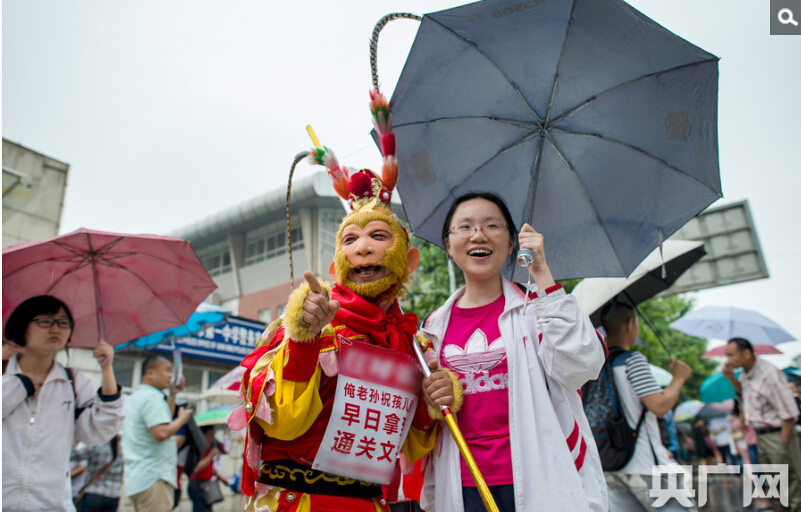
{"points": [[363, 189]]}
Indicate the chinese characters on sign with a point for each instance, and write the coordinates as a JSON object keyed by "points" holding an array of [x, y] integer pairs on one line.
{"points": [[229, 341], [768, 481], [375, 402]]}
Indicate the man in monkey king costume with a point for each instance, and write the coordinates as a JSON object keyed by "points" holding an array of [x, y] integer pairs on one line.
{"points": [[290, 383]]}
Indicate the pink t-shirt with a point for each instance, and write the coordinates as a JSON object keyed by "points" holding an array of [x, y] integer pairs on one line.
{"points": [[474, 350]]}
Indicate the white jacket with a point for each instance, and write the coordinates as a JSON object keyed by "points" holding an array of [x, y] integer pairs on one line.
{"points": [[38, 433], [551, 352]]}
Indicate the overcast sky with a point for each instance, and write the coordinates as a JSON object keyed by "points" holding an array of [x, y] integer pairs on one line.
{"points": [[169, 112]]}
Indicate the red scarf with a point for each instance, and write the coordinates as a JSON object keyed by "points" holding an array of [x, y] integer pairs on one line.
{"points": [[391, 329]]}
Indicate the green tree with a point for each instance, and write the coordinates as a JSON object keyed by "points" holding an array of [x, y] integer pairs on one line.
{"points": [[660, 312], [430, 284]]}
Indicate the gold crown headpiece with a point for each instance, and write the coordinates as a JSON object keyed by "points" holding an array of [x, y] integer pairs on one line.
{"points": [[363, 189]]}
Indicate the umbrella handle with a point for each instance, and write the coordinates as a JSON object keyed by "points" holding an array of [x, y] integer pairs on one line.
{"points": [[374, 40]]}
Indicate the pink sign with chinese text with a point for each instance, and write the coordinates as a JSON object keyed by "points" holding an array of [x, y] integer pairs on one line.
{"points": [[376, 399]]}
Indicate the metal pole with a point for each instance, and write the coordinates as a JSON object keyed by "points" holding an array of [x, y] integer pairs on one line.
{"points": [[101, 321], [650, 325]]}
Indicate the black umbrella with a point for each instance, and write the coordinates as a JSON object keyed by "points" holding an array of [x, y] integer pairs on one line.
{"points": [[654, 275]]}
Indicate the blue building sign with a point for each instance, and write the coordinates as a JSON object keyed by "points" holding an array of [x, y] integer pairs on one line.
{"points": [[229, 341]]}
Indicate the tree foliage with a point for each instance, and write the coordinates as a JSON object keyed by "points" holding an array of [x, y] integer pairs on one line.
{"points": [[660, 312], [430, 286]]}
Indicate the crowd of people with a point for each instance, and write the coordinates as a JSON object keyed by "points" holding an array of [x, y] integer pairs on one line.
{"points": [[61, 445], [506, 372], [325, 431]]}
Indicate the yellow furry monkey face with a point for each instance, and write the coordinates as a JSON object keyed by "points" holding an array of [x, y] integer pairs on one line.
{"points": [[372, 255]]}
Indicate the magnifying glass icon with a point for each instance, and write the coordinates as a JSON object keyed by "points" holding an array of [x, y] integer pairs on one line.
{"points": [[784, 20]]}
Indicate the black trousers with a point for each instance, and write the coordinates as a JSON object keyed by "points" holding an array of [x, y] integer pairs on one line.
{"points": [[96, 503]]}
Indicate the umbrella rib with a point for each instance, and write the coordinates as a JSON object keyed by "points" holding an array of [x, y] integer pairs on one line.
{"points": [[505, 77], [81, 263], [595, 96], [504, 150], [137, 276], [586, 193], [559, 64], [39, 262], [639, 150], [510, 122]]}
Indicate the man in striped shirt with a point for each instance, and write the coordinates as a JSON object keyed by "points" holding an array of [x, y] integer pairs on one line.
{"points": [[629, 487], [770, 409]]}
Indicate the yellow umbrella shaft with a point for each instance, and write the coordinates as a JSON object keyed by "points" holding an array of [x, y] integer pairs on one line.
{"points": [[313, 136], [481, 485]]}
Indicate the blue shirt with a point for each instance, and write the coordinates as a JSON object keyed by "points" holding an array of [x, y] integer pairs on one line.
{"points": [[146, 460]]}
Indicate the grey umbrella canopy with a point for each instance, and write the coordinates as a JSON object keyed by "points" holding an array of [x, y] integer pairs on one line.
{"points": [[597, 126]]}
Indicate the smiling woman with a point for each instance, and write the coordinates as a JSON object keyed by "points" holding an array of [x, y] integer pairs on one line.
{"points": [[38, 394], [509, 359]]}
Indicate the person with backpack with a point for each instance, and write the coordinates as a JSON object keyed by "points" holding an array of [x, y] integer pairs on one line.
{"points": [[46, 406], [642, 401]]}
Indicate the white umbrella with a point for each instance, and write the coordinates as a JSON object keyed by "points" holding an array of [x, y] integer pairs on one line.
{"points": [[220, 395], [644, 282], [225, 389], [726, 322], [662, 376]]}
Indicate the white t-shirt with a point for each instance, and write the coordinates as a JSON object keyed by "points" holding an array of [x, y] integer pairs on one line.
{"points": [[633, 379], [722, 438]]}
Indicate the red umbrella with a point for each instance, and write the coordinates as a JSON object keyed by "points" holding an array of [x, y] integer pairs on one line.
{"points": [[118, 287], [759, 350], [231, 380]]}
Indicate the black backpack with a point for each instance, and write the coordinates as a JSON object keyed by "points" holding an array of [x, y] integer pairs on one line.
{"points": [[614, 437]]}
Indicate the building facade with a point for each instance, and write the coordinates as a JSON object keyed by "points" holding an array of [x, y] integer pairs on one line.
{"points": [[246, 248], [34, 186]]}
